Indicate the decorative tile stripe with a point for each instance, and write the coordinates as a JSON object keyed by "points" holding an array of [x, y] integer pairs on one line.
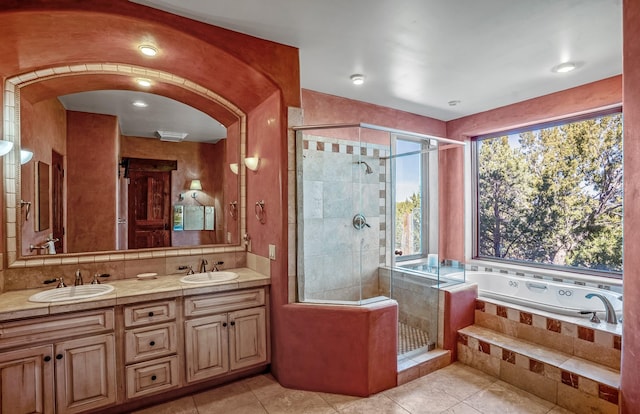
{"points": [[617, 342], [526, 318], [484, 347], [605, 392], [536, 366], [553, 325], [586, 334], [569, 378], [608, 393], [508, 356]]}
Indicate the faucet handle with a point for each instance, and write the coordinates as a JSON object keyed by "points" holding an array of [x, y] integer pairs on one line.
{"points": [[61, 284]]}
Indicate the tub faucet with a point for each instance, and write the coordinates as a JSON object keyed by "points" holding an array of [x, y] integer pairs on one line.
{"points": [[610, 313]]}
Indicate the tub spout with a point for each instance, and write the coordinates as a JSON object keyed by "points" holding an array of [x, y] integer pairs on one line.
{"points": [[610, 313]]}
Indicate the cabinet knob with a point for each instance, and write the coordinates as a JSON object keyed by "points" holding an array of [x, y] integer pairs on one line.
{"points": [[224, 324], [47, 358], [153, 378], [150, 314], [59, 356], [233, 323], [152, 343]]}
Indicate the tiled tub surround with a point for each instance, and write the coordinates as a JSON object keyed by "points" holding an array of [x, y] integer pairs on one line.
{"points": [[566, 360], [340, 262]]}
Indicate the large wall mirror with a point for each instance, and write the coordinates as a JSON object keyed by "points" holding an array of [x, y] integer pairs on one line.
{"points": [[113, 189]]}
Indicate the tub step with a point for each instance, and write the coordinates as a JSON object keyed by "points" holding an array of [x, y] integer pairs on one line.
{"points": [[600, 343], [571, 382]]}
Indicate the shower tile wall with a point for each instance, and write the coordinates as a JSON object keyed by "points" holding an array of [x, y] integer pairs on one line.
{"points": [[341, 262]]}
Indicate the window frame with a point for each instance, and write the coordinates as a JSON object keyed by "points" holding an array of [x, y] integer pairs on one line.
{"points": [[475, 225], [425, 200]]}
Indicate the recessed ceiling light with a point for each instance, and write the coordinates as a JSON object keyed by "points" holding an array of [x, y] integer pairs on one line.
{"points": [[564, 67], [454, 102], [140, 104], [148, 50], [357, 79], [143, 82]]}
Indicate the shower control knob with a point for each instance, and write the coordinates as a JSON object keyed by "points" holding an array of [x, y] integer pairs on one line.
{"points": [[359, 221]]}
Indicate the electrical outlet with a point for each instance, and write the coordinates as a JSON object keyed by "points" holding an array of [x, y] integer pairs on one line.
{"points": [[272, 251]]}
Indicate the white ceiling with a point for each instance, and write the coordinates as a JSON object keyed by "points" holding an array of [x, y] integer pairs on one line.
{"points": [[161, 114], [417, 55]]}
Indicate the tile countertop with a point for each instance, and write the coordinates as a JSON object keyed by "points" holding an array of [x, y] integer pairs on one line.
{"points": [[16, 305]]}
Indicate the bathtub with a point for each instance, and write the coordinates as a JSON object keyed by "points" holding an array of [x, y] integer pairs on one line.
{"points": [[550, 296]]}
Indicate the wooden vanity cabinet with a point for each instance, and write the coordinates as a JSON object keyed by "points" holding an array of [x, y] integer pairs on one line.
{"points": [[70, 369], [151, 344], [224, 332], [27, 380]]}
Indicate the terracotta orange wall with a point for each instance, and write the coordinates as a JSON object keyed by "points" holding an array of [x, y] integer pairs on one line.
{"points": [[232, 184], [267, 140], [43, 129], [324, 109], [195, 161], [630, 382], [346, 350], [263, 66], [92, 165]]}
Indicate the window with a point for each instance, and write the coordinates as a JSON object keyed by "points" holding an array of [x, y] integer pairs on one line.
{"points": [[552, 196], [411, 175]]}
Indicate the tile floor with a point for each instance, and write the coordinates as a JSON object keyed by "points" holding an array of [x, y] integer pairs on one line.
{"points": [[456, 389]]}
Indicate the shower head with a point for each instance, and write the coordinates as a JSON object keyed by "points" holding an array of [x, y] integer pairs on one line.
{"points": [[368, 169]]}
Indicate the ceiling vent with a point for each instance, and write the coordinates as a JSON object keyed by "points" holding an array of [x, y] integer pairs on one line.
{"points": [[171, 136]]}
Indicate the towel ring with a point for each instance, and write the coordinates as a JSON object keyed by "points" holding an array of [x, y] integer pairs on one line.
{"points": [[259, 210], [233, 209]]}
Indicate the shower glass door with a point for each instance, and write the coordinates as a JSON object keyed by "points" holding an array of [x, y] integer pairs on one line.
{"points": [[341, 187]]}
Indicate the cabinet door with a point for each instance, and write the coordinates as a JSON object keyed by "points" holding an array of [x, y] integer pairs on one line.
{"points": [[206, 343], [85, 373], [26, 381], [247, 337]]}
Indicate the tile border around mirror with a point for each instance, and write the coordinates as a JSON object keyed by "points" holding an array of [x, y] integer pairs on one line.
{"points": [[11, 132]]}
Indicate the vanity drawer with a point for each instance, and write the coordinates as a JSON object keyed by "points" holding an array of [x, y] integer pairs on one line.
{"points": [[223, 302], [150, 342], [152, 377], [51, 328], [146, 313]]}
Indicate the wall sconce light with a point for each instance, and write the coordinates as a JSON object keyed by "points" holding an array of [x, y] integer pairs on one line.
{"points": [[25, 156], [195, 186], [5, 147], [234, 168], [252, 163]]}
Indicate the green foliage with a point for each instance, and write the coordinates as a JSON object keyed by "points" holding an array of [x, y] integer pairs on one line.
{"points": [[554, 196], [408, 225]]}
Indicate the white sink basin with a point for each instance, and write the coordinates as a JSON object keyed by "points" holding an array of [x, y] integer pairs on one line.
{"points": [[71, 293], [209, 277]]}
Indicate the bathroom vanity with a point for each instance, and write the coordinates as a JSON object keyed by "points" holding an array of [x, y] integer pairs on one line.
{"points": [[119, 350]]}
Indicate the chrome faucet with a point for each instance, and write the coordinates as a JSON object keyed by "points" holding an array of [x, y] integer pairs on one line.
{"points": [[78, 280], [610, 313], [203, 266], [215, 266]]}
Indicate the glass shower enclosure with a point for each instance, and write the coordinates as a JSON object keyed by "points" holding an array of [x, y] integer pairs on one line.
{"points": [[367, 214]]}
